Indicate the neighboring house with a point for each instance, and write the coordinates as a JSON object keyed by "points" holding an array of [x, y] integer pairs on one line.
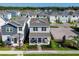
{"points": [[64, 17], [2, 22], [39, 31], [13, 31], [14, 13], [7, 16]]}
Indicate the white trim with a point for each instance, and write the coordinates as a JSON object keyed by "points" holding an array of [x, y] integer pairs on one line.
{"points": [[9, 29]]}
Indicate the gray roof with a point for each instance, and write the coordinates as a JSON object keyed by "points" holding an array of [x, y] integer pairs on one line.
{"points": [[20, 20], [14, 23], [39, 22], [39, 34], [17, 35]]}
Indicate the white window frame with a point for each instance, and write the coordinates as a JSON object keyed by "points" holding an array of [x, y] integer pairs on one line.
{"points": [[35, 28], [19, 28], [9, 29], [43, 28]]}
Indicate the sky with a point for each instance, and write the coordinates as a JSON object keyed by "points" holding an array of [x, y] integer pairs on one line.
{"points": [[40, 4]]}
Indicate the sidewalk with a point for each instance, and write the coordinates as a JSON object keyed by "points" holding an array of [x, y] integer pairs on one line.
{"points": [[20, 53]]}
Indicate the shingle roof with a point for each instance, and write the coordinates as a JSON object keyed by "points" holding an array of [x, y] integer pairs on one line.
{"points": [[39, 34], [20, 20], [39, 22]]}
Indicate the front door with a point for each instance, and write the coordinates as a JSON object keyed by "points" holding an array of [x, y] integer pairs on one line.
{"points": [[8, 41], [15, 40]]}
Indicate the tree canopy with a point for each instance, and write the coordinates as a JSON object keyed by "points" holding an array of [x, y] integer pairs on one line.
{"points": [[34, 8]]}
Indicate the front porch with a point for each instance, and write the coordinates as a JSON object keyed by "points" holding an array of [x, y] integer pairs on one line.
{"points": [[13, 40]]}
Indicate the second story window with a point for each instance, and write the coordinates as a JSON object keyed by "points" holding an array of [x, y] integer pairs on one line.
{"points": [[73, 16], [20, 28], [9, 29], [43, 28], [35, 28]]}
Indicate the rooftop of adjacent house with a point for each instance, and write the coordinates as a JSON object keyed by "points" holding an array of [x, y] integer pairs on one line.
{"points": [[65, 13], [20, 20], [39, 22]]}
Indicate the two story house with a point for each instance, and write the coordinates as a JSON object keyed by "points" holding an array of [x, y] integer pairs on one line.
{"points": [[39, 31], [13, 31], [64, 16]]}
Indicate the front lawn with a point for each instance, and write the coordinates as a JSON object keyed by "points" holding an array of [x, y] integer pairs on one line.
{"points": [[54, 46], [27, 47], [8, 54], [32, 47], [51, 54], [5, 48], [23, 48]]}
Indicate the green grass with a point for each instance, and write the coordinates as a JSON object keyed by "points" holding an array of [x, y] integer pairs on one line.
{"points": [[8, 55], [41, 54], [54, 27], [54, 46], [51, 54], [24, 47], [5, 48], [27, 47], [32, 47]]}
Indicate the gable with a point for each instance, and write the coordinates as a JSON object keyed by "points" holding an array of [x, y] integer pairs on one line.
{"points": [[4, 32], [9, 25]]}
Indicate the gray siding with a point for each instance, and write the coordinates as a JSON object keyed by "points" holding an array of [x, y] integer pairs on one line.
{"points": [[9, 33]]}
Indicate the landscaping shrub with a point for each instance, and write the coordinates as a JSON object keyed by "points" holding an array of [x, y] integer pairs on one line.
{"points": [[32, 47], [75, 28], [70, 44], [1, 42], [53, 44], [54, 26]]}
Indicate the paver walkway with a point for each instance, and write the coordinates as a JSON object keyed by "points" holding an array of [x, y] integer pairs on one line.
{"points": [[39, 47]]}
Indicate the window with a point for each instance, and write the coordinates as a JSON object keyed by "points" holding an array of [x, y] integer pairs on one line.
{"points": [[9, 29], [73, 16], [45, 40], [39, 40], [33, 40], [20, 28], [43, 28], [65, 16], [35, 29], [15, 40]]}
